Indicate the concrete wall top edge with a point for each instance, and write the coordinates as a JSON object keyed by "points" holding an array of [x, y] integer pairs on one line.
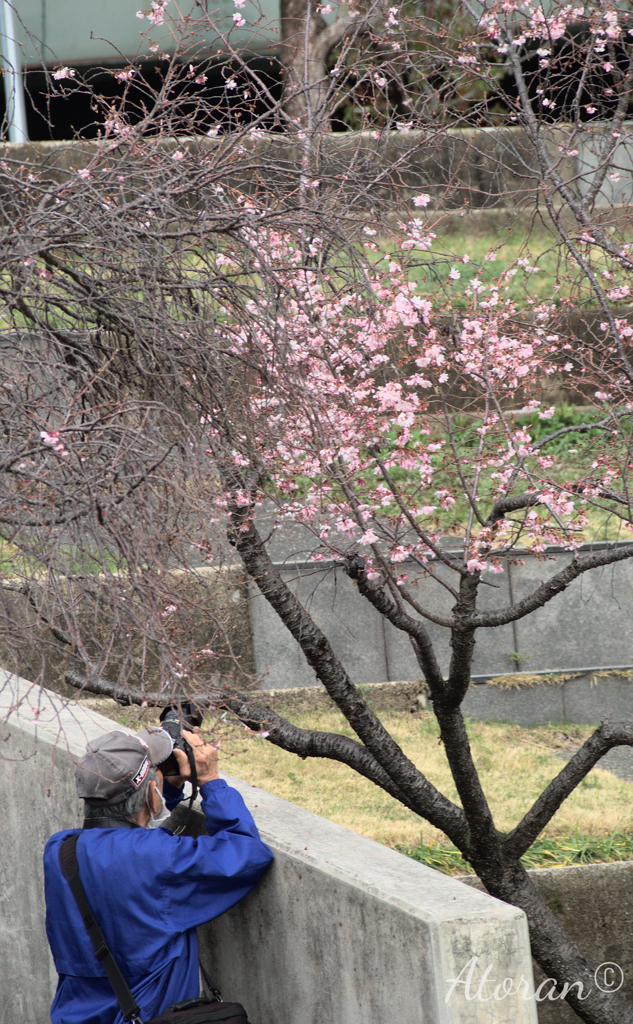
{"points": [[293, 563], [404, 140], [376, 869], [48, 716]]}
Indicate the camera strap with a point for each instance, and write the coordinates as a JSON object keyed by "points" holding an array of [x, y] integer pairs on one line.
{"points": [[194, 774], [70, 870]]}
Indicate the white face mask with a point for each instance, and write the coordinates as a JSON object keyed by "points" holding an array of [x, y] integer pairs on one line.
{"points": [[155, 820]]}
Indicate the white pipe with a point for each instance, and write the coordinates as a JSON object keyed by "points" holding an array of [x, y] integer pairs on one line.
{"points": [[13, 90]]}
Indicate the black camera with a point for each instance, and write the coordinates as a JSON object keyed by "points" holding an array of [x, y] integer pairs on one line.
{"points": [[173, 719]]}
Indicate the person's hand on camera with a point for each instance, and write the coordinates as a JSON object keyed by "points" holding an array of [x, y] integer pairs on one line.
{"points": [[205, 755]]}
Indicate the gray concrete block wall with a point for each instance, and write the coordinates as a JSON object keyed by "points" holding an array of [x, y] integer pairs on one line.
{"points": [[594, 148], [352, 626], [591, 699], [464, 168], [467, 169], [527, 705], [589, 625], [341, 930], [490, 645]]}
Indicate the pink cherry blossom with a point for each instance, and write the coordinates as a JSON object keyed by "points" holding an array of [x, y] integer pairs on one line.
{"points": [[53, 440], [369, 537], [157, 14]]}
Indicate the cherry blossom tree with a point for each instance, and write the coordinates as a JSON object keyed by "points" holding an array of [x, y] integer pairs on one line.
{"points": [[194, 326]]}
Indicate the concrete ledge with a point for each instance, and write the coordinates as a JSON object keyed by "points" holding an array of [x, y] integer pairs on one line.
{"points": [[352, 932], [395, 696], [341, 930], [583, 699]]}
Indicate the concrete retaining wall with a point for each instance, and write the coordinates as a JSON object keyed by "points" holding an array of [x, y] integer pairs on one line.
{"points": [[463, 168], [210, 611], [460, 168], [341, 930], [589, 625], [585, 700]]}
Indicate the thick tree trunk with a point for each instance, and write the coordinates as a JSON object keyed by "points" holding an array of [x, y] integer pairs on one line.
{"points": [[552, 947], [306, 43]]}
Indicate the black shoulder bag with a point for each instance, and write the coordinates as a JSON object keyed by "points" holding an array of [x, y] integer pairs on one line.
{"points": [[190, 1011]]}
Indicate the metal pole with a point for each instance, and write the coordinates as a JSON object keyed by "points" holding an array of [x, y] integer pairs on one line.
{"points": [[16, 110]]}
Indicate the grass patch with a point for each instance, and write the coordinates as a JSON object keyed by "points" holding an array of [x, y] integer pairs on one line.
{"points": [[491, 254], [488, 256], [573, 454], [546, 852], [515, 765]]}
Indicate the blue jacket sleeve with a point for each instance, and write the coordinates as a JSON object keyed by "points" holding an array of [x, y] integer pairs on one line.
{"points": [[206, 876], [172, 795]]}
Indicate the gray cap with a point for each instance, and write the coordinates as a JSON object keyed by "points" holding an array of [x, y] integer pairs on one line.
{"points": [[116, 764]]}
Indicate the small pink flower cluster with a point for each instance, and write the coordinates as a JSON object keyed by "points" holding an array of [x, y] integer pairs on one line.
{"points": [[53, 440]]}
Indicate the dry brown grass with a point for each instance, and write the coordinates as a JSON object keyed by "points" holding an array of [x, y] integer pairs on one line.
{"points": [[515, 766]]}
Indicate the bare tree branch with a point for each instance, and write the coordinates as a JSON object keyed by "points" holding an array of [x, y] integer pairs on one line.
{"points": [[550, 588], [607, 736]]}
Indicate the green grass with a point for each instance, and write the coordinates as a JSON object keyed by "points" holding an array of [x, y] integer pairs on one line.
{"points": [[489, 254], [546, 852], [448, 253], [486, 253], [573, 455]]}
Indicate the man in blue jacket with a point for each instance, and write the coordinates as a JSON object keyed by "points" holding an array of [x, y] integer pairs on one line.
{"points": [[148, 889]]}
